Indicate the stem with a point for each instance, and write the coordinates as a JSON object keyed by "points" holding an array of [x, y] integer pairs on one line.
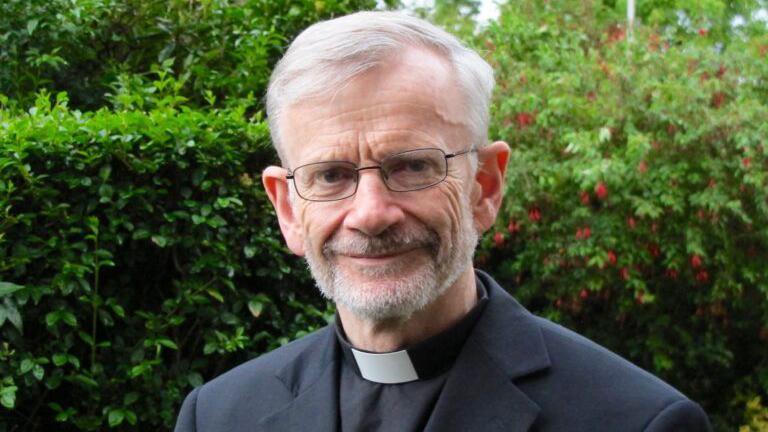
{"points": [[95, 305]]}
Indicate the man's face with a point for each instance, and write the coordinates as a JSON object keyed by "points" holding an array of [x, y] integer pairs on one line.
{"points": [[384, 254]]}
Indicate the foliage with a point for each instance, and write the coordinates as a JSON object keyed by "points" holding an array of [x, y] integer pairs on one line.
{"points": [[637, 196], [757, 416], [138, 254], [224, 47], [143, 257]]}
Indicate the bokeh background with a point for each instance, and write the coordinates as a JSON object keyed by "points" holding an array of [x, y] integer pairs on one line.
{"points": [[139, 256]]}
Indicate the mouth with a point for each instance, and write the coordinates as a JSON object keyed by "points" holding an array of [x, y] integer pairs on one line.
{"points": [[376, 257]]}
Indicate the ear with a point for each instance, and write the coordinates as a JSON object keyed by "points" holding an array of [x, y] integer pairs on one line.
{"points": [[277, 186], [489, 184]]}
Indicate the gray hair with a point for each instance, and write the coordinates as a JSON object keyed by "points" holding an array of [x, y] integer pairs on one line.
{"points": [[330, 53]]}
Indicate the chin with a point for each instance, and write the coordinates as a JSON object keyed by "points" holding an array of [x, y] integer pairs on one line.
{"points": [[385, 293]]}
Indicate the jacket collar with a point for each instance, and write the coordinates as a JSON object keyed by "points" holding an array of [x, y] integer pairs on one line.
{"points": [[480, 393], [313, 378]]}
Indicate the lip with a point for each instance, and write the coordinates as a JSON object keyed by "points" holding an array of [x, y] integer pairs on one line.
{"points": [[377, 259]]}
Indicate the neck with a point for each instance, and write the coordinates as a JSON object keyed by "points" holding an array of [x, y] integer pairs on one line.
{"points": [[394, 334]]}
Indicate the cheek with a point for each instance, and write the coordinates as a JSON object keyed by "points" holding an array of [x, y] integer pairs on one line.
{"points": [[319, 221], [448, 207]]}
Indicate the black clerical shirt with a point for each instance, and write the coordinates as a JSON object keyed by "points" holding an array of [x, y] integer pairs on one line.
{"points": [[403, 407]]}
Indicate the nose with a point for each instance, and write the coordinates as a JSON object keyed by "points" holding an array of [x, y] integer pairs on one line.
{"points": [[373, 209]]}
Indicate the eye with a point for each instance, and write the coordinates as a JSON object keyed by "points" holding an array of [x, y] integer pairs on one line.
{"points": [[333, 175], [416, 165], [410, 165]]}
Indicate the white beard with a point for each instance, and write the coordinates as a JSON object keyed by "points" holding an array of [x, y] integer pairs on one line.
{"points": [[387, 293]]}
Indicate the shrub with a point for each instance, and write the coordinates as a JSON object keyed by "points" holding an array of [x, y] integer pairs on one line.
{"points": [[143, 257], [637, 196]]}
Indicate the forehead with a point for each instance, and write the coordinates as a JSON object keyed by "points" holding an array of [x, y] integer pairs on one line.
{"points": [[409, 101]]}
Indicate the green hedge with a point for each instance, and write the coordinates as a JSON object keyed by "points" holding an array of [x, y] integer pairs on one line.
{"points": [[145, 259]]}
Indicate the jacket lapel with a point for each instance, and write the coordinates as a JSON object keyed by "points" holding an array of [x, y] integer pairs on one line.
{"points": [[313, 379], [480, 392]]}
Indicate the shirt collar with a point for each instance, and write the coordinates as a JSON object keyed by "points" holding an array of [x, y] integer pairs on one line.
{"points": [[423, 360]]}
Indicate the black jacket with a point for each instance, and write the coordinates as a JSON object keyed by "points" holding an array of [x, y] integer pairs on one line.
{"points": [[516, 372]]}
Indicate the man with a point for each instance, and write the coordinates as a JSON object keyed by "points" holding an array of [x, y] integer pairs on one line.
{"points": [[387, 181]]}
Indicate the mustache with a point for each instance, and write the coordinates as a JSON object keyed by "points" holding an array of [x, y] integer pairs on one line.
{"points": [[390, 241]]}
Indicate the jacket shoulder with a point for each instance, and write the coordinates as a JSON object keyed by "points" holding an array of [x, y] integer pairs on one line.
{"points": [[253, 389], [596, 386]]}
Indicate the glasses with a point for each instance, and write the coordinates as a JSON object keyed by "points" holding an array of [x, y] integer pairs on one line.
{"points": [[401, 172]]}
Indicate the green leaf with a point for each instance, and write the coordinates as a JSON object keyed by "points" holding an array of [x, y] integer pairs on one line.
{"points": [[116, 417], [32, 25], [130, 416], [69, 318], [8, 394], [38, 372], [215, 294], [86, 338], [26, 366], [255, 307], [84, 380], [8, 311], [59, 359], [160, 240], [51, 318], [167, 343], [7, 288], [118, 310], [195, 379], [130, 398]]}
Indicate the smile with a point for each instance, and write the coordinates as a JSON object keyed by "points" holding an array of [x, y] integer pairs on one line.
{"points": [[377, 258]]}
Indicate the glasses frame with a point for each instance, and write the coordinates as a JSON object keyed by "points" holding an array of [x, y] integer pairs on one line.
{"points": [[446, 156]]}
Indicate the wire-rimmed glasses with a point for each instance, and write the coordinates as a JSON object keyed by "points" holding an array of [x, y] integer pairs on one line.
{"points": [[401, 172]]}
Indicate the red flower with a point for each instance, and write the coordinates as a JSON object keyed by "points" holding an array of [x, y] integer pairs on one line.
{"points": [[703, 32], [654, 250], [672, 129], [671, 273], [498, 239], [746, 162], [579, 234], [631, 222], [695, 261], [601, 190], [718, 99], [612, 257], [513, 227], [640, 298], [584, 197], [642, 167], [525, 119], [587, 233], [721, 72], [584, 294], [534, 214], [702, 276], [624, 273]]}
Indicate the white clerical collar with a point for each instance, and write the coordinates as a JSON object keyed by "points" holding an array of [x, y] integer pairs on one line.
{"points": [[385, 368], [424, 360]]}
